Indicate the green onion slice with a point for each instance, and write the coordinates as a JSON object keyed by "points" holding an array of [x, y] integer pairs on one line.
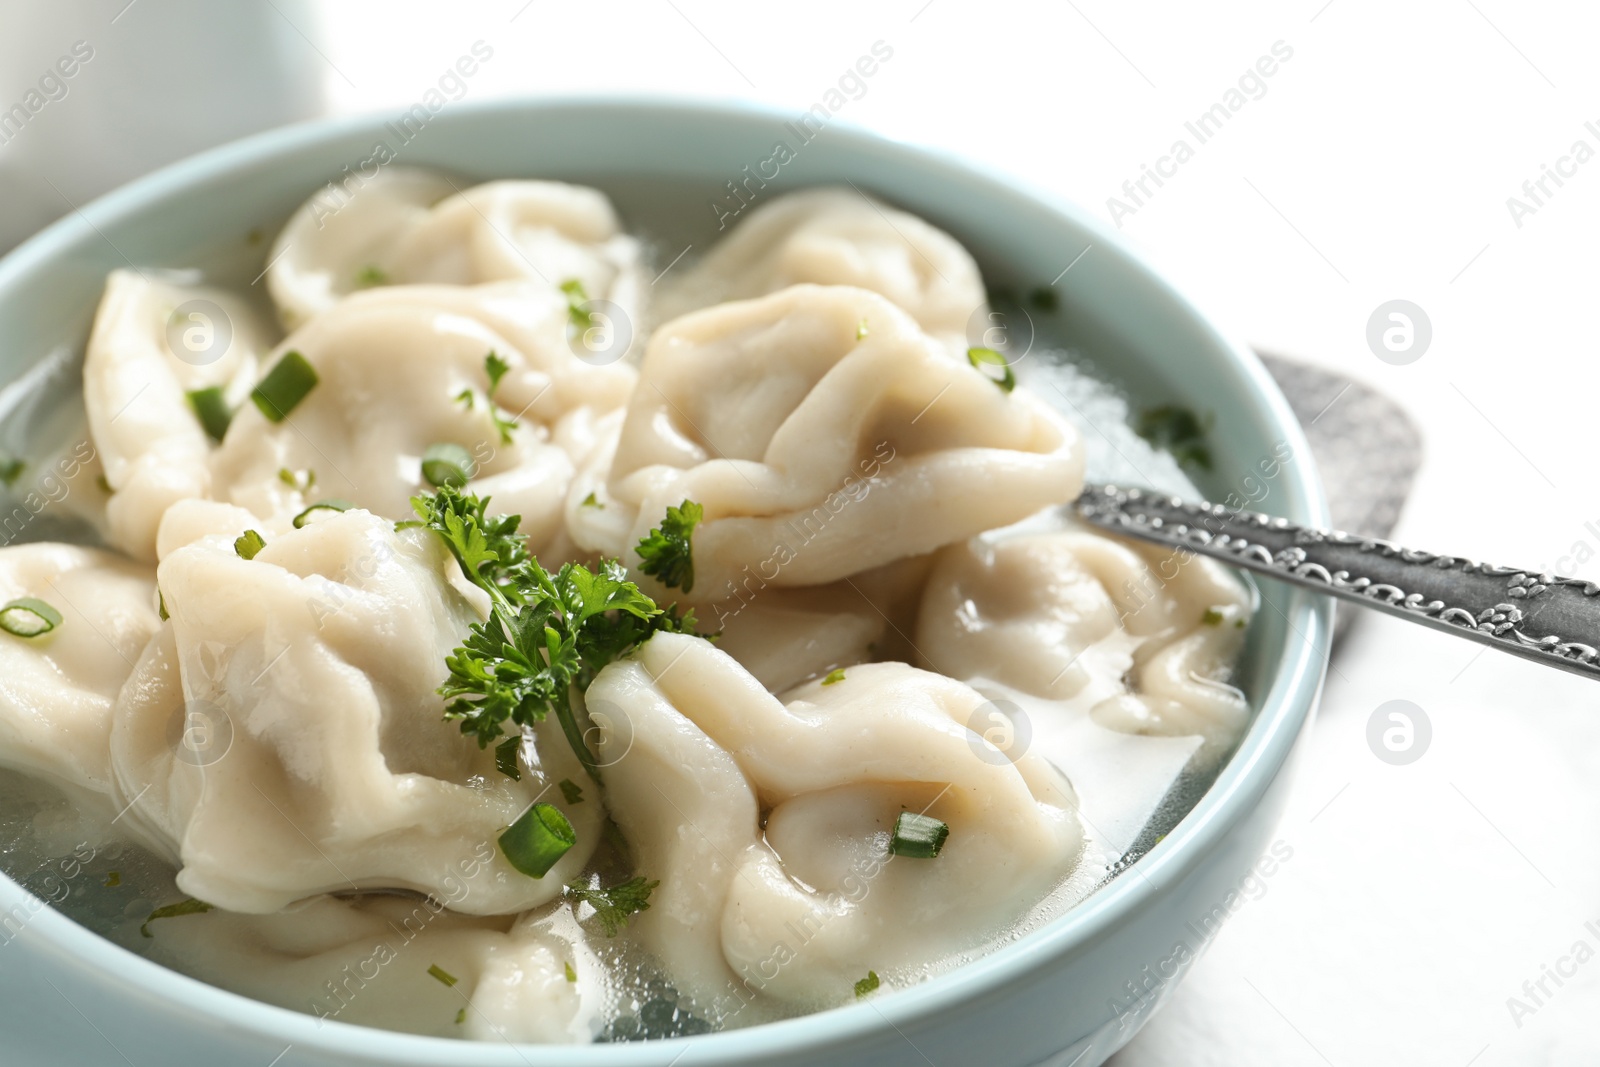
{"points": [[173, 911], [28, 617], [918, 836], [442, 975], [248, 544], [834, 676], [304, 517], [537, 840], [285, 385], [980, 357], [446, 464], [211, 408]]}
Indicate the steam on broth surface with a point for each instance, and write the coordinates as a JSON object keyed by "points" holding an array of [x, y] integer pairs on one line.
{"points": [[484, 642]]}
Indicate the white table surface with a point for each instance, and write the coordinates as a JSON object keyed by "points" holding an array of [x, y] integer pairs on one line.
{"points": [[1377, 166]]}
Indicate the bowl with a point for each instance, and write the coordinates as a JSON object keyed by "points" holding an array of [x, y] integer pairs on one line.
{"points": [[1072, 991]]}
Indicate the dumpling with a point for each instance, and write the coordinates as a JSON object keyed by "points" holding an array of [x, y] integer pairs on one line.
{"points": [[153, 343], [408, 226], [698, 752], [819, 450], [367, 962], [1023, 609], [282, 737], [340, 239], [839, 236], [402, 369], [57, 689]]}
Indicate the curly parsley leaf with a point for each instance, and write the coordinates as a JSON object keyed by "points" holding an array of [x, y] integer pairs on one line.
{"points": [[666, 551], [614, 906]]}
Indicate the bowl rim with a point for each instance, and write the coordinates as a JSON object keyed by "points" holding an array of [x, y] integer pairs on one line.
{"points": [[1284, 708]]}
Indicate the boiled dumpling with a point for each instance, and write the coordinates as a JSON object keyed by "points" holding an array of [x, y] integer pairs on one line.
{"points": [[839, 236], [698, 752], [1023, 610], [57, 689], [367, 961], [819, 450], [339, 240], [409, 226], [312, 752], [155, 342], [403, 369]]}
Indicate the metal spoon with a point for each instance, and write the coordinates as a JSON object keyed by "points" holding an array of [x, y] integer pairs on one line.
{"points": [[1542, 617]]}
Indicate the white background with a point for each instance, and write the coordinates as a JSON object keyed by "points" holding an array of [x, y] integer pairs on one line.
{"points": [[1376, 166]]}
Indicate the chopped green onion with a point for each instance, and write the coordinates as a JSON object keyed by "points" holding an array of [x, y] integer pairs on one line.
{"points": [[285, 385], [861, 330], [300, 481], [304, 517], [211, 408], [446, 464], [11, 469], [918, 836], [28, 617], [867, 984], [461, 1016], [505, 757], [981, 357], [590, 502], [834, 676], [442, 975], [576, 298], [570, 791], [161, 606], [113, 879], [1238, 624], [1212, 617], [371, 275], [173, 911], [537, 840], [248, 544], [572, 975], [104, 483]]}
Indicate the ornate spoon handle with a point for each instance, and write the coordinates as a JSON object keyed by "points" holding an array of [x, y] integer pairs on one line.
{"points": [[1552, 620]]}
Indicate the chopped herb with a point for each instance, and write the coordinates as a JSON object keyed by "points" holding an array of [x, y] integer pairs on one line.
{"points": [[371, 275], [918, 836], [505, 757], [1044, 298], [161, 606], [1211, 617], [590, 502], [867, 984], [572, 975], [173, 911], [1179, 431], [537, 840], [981, 357], [442, 975], [461, 1016], [104, 483], [254, 237], [570, 791], [861, 330], [835, 675], [613, 906], [11, 469], [28, 617], [300, 481], [666, 551], [304, 517], [577, 315], [211, 408], [1238, 624], [496, 369], [113, 879], [545, 632], [285, 385], [446, 464], [466, 398], [248, 544]]}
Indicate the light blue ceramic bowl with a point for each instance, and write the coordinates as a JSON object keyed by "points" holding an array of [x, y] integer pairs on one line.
{"points": [[1070, 993]]}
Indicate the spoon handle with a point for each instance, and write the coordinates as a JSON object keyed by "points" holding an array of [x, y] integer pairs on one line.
{"points": [[1542, 617]]}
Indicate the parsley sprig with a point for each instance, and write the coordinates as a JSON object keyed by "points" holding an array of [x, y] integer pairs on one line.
{"points": [[546, 633], [666, 551], [614, 905]]}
